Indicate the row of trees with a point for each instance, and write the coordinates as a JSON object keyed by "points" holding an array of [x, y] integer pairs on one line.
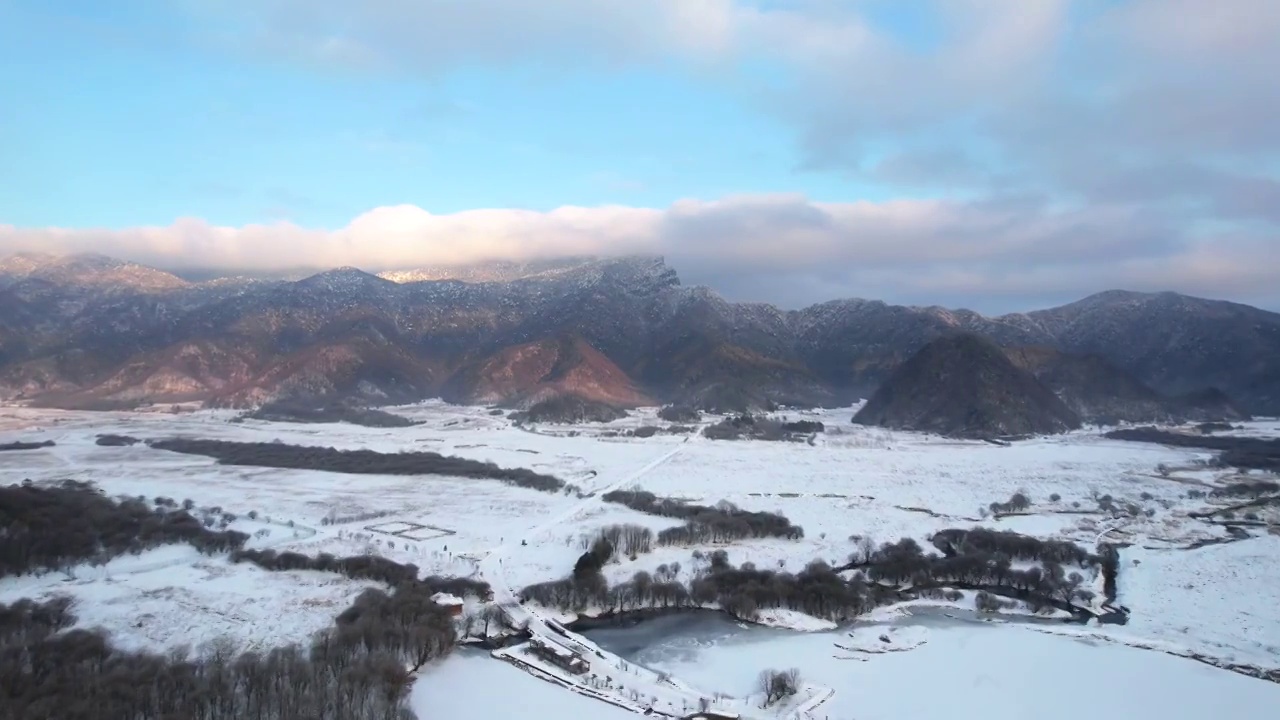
{"points": [[302, 411], [974, 559], [737, 427], [110, 440], [366, 462], [983, 559], [705, 524], [1241, 452], [20, 445], [366, 567], [977, 541], [741, 591], [1255, 490], [57, 527]]}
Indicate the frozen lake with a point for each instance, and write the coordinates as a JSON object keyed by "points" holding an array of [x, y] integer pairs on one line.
{"points": [[964, 669]]}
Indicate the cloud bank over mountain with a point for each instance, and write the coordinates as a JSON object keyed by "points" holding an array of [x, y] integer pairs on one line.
{"points": [[782, 249]]}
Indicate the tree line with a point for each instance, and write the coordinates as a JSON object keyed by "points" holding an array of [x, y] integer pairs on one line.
{"points": [[300, 411], [60, 526], [364, 567], [1256, 489], [1241, 452], [982, 559], [705, 524], [975, 559], [363, 462], [741, 591], [737, 427], [20, 445]]}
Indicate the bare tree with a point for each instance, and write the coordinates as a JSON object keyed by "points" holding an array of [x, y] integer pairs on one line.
{"points": [[778, 684]]}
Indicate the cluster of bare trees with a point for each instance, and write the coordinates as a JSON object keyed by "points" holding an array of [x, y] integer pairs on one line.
{"points": [[49, 671], [59, 526], [624, 540], [742, 591], [1018, 502], [974, 559], [568, 410], [358, 669], [679, 414], [982, 559], [1011, 544], [817, 590], [705, 524], [357, 567], [406, 625], [778, 684], [737, 427], [320, 411], [365, 567], [279, 455], [109, 440], [1255, 490]]}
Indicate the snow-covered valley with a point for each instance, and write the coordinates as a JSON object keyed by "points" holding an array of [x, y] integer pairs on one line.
{"points": [[1191, 587]]}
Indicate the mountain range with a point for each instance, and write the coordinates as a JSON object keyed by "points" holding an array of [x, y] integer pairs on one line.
{"points": [[95, 332]]}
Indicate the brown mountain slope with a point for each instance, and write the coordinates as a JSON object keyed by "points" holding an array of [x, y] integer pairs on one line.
{"points": [[964, 386], [523, 375]]}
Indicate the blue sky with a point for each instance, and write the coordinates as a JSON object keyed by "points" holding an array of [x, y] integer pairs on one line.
{"points": [[991, 153], [116, 131]]}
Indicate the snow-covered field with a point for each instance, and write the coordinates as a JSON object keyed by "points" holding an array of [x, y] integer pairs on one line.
{"points": [[1218, 601]]}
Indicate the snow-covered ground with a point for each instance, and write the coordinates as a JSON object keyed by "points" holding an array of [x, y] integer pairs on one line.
{"points": [[1218, 601], [172, 597]]}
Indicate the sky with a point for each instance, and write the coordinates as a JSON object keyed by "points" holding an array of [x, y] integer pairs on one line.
{"points": [[992, 154]]}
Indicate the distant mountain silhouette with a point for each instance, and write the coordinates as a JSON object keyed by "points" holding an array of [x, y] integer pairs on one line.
{"points": [[963, 385], [1099, 392]]}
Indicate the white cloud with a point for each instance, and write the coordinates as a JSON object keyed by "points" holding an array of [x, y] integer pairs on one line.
{"points": [[778, 248], [1135, 128]]}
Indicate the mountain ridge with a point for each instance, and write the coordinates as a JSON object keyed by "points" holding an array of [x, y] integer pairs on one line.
{"points": [[63, 335]]}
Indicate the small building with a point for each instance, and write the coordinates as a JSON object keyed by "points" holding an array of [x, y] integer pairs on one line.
{"points": [[713, 715], [451, 603], [561, 657]]}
